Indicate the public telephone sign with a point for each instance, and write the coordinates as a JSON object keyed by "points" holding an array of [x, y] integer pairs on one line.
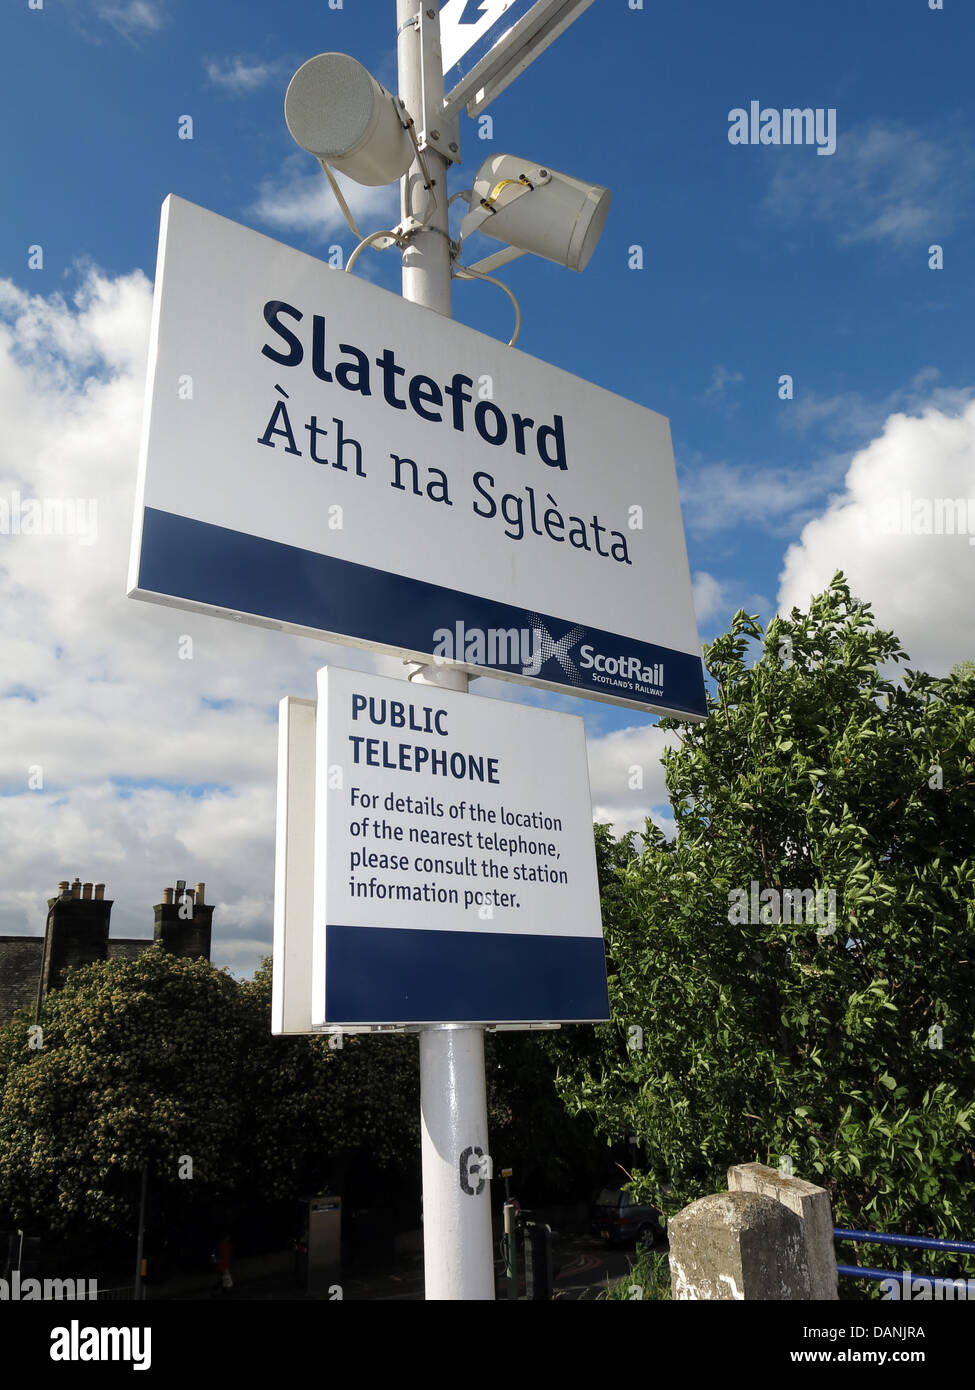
{"points": [[454, 862], [321, 456]]}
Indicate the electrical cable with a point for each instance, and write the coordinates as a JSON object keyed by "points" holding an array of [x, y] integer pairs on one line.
{"points": [[466, 272], [409, 125], [338, 194], [367, 241]]}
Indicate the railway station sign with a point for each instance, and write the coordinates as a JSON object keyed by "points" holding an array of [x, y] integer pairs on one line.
{"points": [[321, 456]]}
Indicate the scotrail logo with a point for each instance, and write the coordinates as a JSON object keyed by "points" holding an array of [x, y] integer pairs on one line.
{"points": [[533, 647], [627, 672], [548, 649]]}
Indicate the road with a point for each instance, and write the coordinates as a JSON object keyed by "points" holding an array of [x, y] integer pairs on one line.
{"points": [[583, 1265]]}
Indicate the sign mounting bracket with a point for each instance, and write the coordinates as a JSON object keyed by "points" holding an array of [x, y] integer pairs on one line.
{"points": [[439, 129], [513, 53]]}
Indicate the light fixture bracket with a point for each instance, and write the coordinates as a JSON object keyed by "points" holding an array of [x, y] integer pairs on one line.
{"points": [[439, 129]]}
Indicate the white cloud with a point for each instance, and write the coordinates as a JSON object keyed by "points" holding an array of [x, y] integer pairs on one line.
{"points": [[919, 585], [885, 184], [626, 777], [722, 496], [852, 418], [301, 200], [142, 781], [721, 379], [133, 18], [709, 596], [238, 76]]}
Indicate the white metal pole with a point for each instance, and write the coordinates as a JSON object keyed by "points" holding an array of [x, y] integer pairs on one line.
{"points": [[426, 262], [457, 1245], [458, 1260]]}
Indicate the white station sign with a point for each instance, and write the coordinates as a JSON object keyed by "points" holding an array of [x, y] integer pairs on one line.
{"points": [[464, 22], [435, 861], [321, 456]]}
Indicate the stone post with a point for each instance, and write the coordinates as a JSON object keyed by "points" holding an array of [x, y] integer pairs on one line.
{"points": [[811, 1205], [737, 1246], [769, 1237]]}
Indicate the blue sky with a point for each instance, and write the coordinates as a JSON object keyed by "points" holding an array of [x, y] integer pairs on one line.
{"points": [[758, 261]]}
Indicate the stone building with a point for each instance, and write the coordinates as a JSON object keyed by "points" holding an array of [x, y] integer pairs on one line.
{"points": [[77, 933]]}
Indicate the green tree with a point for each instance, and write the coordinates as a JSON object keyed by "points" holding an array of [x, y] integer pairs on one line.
{"points": [[329, 1112], [555, 1156], [842, 1047], [171, 1063], [139, 1064]]}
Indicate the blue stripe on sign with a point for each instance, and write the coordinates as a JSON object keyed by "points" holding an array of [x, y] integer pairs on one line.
{"points": [[208, 564], [406, 975]]}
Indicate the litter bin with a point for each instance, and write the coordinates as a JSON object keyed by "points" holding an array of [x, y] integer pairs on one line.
{"points": [[538, 1260], [320, 1244]]}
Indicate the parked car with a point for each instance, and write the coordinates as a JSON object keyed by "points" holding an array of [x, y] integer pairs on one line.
{"points": [[617, 1219]]}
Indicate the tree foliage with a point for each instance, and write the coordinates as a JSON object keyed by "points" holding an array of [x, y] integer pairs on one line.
{"points": [[845, 1054], [326, 1108], [556, 1157], [158, 1060], [140, 1063]]}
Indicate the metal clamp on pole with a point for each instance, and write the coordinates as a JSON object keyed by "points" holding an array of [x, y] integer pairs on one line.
{"points": [[440, 129]]}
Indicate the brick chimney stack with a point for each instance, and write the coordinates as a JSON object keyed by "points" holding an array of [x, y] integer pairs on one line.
{"points": [[76, 932], [183, 921]]}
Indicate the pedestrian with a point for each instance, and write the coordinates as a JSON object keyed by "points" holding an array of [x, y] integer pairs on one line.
{"points": [[225, 1258]]}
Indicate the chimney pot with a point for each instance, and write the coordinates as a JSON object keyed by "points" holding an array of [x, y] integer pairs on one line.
{"points": [[76, 888], [199, 892], [63, 887], [99, 892], [167, 895], [86, 891]]}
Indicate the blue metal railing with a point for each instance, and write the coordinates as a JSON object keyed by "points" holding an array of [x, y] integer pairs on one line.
{"points": [[963, 1247]]}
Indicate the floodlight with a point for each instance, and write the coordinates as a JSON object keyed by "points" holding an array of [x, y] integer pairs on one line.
{"points": [[534, 208], [337, 111]]}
